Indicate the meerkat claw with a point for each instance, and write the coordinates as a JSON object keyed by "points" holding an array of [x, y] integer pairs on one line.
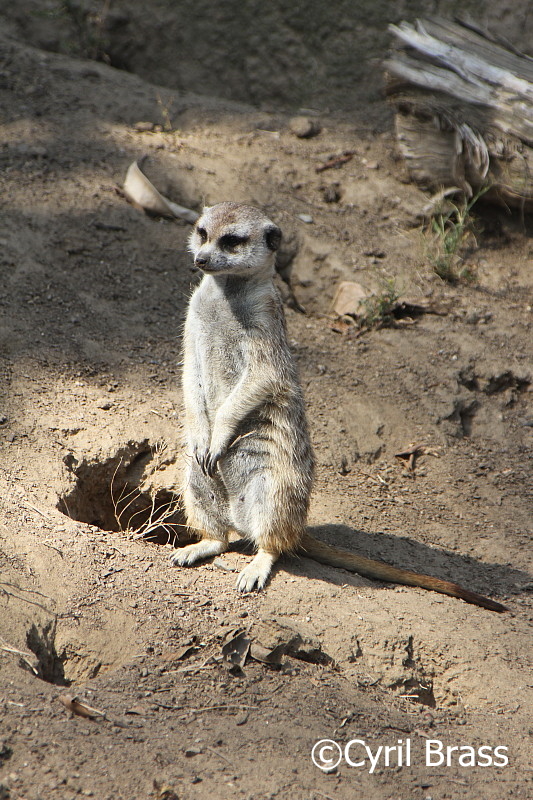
{"points": [[212, 464], [255, 574], [248, 583]]}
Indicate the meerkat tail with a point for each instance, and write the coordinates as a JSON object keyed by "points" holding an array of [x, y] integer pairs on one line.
{"points": [[333, 557]]}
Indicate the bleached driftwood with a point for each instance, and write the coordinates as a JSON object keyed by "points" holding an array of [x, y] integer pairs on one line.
{"points": [[464, 109]]}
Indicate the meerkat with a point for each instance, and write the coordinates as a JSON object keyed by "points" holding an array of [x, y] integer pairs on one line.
{"points": [[250, 462]]}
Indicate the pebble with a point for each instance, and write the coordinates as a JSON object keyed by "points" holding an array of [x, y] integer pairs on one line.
{"points": [[306, 218], [304, 127], [104, 403], [34, 151], [144, 127]]}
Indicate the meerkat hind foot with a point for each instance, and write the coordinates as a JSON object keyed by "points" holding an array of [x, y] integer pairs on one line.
{"points": [[199, 551], [255, 574]]}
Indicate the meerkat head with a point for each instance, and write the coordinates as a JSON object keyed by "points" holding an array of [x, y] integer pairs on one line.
{"points": [[230, 238]]}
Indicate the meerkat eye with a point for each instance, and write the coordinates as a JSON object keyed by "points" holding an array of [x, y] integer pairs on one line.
{"points": [[202, 233], [232, 240]]}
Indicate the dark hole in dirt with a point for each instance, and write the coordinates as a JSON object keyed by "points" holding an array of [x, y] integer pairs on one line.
{"points": [[463, 414], [108, 494], [507, 380], [50, 665], [419, 692], [406, 310]]}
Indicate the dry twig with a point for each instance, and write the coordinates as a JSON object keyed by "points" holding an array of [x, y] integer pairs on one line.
{"points": [[336, 161]]}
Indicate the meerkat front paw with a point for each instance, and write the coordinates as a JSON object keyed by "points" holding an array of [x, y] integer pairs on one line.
{"points": [[208, 460], [199, 551], [211, 462], [218, 447], [202, 454]]}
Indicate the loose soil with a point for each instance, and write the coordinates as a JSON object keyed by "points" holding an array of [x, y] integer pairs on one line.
{"points": [[94, 296]]}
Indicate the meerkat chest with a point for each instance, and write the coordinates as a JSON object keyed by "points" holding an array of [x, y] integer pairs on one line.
{"points": [[219, 337]]}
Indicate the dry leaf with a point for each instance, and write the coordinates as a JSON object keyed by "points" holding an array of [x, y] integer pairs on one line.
{"points": [[182, 652], [268, 655], [164, 791], [236, 648], [272, 640], [341, 325], [81, 709]]}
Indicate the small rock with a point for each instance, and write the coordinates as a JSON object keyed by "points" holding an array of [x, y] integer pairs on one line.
{"points": [[192, 751], [306, 218], [34, 151], [221, 564], [144, 127], [348, 299], [104, 403], [3, 419], [5, 752], [304, 128], [242, 720], [89, 72]]}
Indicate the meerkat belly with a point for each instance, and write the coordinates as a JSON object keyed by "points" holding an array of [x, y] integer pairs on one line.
{"points": [[267, 476], [266, 458]]}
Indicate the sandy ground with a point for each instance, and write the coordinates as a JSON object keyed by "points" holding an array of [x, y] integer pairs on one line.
{"points": [[92, 302]]}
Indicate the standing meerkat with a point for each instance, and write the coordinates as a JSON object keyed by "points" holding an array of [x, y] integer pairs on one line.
{"points": [[251, 465]]}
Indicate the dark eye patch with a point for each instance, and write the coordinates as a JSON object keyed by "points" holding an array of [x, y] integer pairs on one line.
{"points": [[202, 233], [231, 240]]}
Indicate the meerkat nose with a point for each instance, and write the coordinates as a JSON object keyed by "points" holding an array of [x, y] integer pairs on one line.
{"points": [[201, 261]]}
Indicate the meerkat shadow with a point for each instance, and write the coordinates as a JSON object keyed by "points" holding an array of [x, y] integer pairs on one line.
{"points": [[242, 546], [405, 553]]}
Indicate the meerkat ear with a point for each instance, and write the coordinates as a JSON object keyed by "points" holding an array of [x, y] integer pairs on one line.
{"points": [[273, 237]]}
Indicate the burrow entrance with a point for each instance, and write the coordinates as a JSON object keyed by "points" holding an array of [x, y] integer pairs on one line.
{"points": [[64, 655], [109, 494], [50, 664]]}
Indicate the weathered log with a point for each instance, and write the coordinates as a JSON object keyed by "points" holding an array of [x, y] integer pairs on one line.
{"points": [[464, 109]]}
